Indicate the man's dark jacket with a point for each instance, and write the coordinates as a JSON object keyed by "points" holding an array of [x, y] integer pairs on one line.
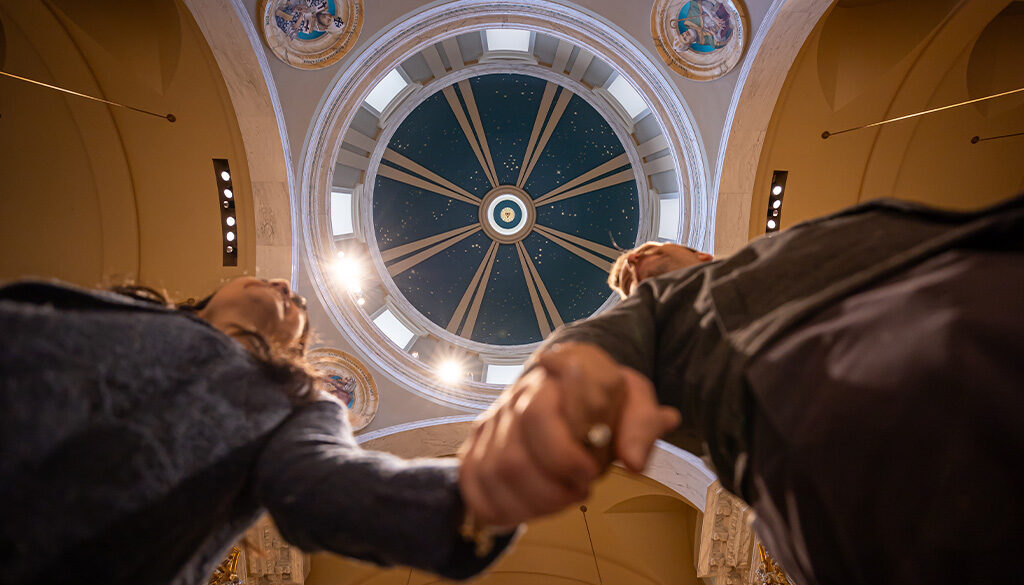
{"points": [[695, 331]]}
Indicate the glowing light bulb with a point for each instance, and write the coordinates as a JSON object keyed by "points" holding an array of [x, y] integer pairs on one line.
{"points": [[777, 204], [226, 176], [360, 301], [230, 236], [777, 190], [341, 253], [228, 193], [450, 371], [416, 354], [771, 224], [230, 220], [349, 273]]}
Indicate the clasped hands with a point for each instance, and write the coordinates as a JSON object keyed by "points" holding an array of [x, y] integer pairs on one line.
{"points": [[528, 455]]}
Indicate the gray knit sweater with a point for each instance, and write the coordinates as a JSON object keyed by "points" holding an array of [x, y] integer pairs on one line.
{"points": [[137, 443]]}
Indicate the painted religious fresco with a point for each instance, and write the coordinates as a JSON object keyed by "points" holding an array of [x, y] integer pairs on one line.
{"points": [[699, 39], [311, 34], [348, 380]]}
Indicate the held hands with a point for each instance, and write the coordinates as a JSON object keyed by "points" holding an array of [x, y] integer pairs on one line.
{"points": [[529, 454]]}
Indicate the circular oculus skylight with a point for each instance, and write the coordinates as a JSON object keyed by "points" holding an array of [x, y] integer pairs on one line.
{"points": [[499, 204]]}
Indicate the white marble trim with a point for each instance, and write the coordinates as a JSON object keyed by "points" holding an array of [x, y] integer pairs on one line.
{"points": [[677, 469]]}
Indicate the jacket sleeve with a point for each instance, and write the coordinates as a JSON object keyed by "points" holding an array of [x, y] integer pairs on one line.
{"points": [[627, 331], [326, 493], [652, 331]]}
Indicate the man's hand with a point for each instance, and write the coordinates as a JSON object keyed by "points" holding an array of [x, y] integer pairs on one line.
{"points": [[527, 455], [599, 389]]}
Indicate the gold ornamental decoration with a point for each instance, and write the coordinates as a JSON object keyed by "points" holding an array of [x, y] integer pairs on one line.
{"points": [[770, 573], [311, 34], [700, 39], [226, 572]]}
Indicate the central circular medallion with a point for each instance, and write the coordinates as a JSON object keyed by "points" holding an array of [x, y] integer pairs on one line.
{"points": [[507, 214]]}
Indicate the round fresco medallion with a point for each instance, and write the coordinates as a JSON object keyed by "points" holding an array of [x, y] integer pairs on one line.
{"points": [[311, 34], [699, 39], [348, 380]]}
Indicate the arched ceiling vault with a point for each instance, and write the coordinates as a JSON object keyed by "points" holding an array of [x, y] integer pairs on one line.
{"points": [[99, 195], [847, 75]]}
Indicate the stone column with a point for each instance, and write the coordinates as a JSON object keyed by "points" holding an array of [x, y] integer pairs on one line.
{"points": [[726, 539]]}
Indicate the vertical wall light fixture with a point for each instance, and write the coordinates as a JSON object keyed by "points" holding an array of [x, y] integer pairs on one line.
{"points": [[778, 190], [228, 217]]}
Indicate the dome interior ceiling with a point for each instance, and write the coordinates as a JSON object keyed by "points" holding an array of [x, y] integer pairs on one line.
{"points": [[510, 113]]}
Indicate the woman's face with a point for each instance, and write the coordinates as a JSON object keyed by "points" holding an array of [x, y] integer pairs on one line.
{"points": [[267, 307]]}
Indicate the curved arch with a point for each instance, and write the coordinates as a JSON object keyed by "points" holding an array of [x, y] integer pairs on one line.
{"points": [[236, 47], [680, 471], [772, 51]]}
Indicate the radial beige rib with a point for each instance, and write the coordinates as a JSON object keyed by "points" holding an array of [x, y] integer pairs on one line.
{"points": [[599, 262], [478, 127], [556, 115], [399, 251], [460, 115], [621, 177], [478, 298], [393, 173], [622, 159], [402, 266], [548, 303], [395, 157], [460, 310], [538, 124], [601, 249], [542, 321]]}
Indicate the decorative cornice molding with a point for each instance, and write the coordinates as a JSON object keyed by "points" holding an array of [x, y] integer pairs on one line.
{"points": [[726, 538]]}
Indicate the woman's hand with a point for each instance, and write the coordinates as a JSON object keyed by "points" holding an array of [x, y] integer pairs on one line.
{"points": [[528, 457]]}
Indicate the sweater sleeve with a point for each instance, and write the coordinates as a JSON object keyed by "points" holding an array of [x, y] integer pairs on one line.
{"points": [[326, 493]]}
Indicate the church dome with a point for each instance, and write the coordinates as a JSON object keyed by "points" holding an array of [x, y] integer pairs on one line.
{"points": [[472, 176]]}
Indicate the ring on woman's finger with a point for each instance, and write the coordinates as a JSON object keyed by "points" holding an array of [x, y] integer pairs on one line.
{"points": [[598, 436]]}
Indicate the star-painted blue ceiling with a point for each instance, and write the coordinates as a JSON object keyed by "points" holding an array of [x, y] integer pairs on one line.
{"points": [[438, 160]]}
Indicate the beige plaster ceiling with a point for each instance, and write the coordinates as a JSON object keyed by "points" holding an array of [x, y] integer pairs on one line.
{"points": [[642, 532], [867, 61], [98, 195]]}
